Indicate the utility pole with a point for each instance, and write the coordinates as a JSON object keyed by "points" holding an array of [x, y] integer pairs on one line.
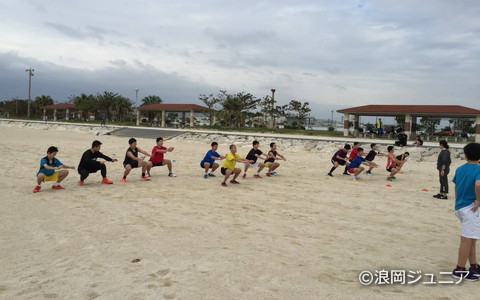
{"points": [[30, 74], [136, 96], [273, 107]]}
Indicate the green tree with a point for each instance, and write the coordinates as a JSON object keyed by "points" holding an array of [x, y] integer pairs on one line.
{"points": [[463, 125], [430, 124], [151, 99], [122, 107], [86, 104], [300, 110], [235, 107], [211, 102], [40, 101]]}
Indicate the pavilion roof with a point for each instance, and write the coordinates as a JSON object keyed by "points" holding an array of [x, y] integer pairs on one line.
{"points": [[173, 107], [414, 110]]}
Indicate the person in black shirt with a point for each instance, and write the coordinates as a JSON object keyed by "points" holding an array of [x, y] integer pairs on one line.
{"points": [[270, 161], [371, 156], [402, 139], [418, 141], [132, 161], [89, 164], [443, 167], [253, 155]]}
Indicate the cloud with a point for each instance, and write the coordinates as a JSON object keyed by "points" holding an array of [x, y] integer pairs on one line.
{"points": [[343, 53], [66, 30]]}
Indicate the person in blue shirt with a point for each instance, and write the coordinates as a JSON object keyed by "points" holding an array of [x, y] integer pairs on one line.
{"points": [[467, 194], [208, 162], [51, 169], [355, 166]]}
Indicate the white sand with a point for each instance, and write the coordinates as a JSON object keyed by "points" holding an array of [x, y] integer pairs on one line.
{"points": [[298, 235]]}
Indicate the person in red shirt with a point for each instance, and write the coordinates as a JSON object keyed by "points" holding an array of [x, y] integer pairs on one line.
{"points": [[157, 158], [352, 155], [393, 164]]}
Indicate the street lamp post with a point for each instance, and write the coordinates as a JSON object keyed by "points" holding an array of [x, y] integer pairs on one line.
{"points": [[30, 74], [331, 120], [136, 96]]}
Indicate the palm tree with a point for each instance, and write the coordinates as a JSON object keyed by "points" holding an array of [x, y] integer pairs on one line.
{"points": [[122, 107], [40, 101], [86, 104], [151, 99]]}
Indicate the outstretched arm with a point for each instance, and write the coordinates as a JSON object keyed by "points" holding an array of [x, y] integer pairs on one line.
{"points": [[144, 152]]}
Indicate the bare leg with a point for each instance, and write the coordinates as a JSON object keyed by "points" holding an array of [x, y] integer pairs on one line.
{"points": [[273, 166], [466, 245], [169, 164], [260, 167], [227, 174], [215, 166], [128, 168], [61, 175], [40, 178], [359, 170], [472, 258], [237, 172], [206, 166]]}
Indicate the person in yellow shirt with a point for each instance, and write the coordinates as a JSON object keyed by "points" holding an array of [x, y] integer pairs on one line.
{"points": [[228, 166]]}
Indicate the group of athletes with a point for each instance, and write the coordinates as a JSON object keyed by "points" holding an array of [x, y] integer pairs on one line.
{"points": [[92, 160], [358, 157]]}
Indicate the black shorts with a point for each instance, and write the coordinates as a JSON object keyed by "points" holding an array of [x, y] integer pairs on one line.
{"points": [[340, 162], [223, 171], [202, 164], [159, 164], [389, 169], [133, 164]]}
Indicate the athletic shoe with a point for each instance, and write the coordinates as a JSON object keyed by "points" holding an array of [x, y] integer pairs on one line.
{"points": [[329, 174], [345, 173], [106, 181], [205, 176], [355, 178], [233, 181], [268, 174], [145, 178], [224, 184], [442, 197], [244, 175], [57, 187], [475, 271], [123, 180], [257, 176], [171, 175], [274, 173], [212, 175], [37, 189], [464, 275], [81, 182], [390, 178], [369, 173]]}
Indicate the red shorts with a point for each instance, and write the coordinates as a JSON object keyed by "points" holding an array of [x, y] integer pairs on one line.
{"points": [[351, 171]]}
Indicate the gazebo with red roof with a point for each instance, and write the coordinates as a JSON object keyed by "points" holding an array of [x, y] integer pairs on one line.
{"points": [[164, 107], [410, 112], [59, 106]]}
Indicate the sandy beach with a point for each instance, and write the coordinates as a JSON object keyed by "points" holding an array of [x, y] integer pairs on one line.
{"points": [[298, 235]]}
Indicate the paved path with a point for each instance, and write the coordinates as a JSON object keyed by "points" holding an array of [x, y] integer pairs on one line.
{"points": [[152, 133]]}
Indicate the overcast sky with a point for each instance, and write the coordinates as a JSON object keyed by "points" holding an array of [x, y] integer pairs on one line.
{"points": [[334, 54]]}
